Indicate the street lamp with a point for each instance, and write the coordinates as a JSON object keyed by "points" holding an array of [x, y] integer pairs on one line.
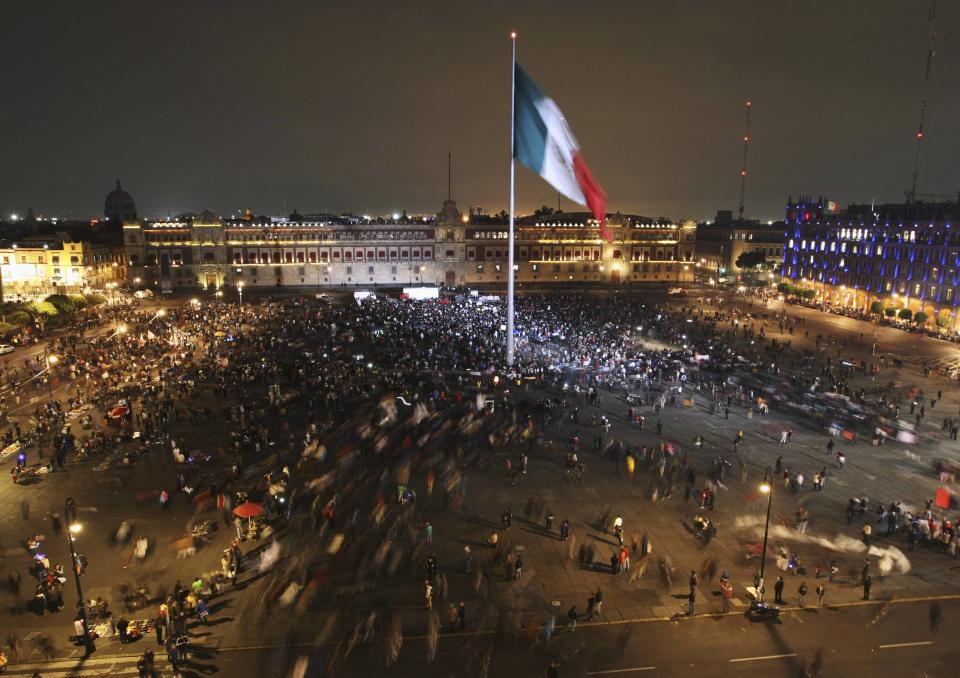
{"points": [[73, 528], [767, 489], [240, 291], [51, 360]]}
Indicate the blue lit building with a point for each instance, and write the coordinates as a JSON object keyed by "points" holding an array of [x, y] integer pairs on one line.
{"points": [[904, 255]]}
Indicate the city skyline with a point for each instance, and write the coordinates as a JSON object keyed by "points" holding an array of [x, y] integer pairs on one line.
{"points": [[317, 120]]}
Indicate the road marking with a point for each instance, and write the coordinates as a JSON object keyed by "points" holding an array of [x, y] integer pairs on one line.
{"points": [[639, 668], [769, 656], [77, 663], [919, 642]]}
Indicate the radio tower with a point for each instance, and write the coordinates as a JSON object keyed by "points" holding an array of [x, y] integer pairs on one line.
{"points": [[743, 169], [931, 52]]}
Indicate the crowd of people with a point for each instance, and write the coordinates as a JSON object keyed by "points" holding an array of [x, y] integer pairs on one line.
{"points": [[344, 425]]}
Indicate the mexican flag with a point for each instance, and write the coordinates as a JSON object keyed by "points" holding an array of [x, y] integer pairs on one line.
{"points": [[543, 142]]}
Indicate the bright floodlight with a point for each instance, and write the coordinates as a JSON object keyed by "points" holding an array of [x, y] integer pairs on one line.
{"points": [[76, 528], [765, 488], [52, 359]]}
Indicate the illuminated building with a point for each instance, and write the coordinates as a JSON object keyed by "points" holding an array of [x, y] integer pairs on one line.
{"points": [[449, 249], [904, 255], [37, 267]]}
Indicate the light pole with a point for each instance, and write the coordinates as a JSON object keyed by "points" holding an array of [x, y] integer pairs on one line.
{"points": [[50, 360], [766, 488], [74, 527], [240, 292]]}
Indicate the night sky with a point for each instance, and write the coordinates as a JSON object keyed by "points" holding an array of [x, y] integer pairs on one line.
{"points": [[353, 105]]}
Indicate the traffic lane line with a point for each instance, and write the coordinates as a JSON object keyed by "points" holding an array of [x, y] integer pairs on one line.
{"points": [[638, 668], [769, 656], [707, 616], [78, 663], [895, 645]]}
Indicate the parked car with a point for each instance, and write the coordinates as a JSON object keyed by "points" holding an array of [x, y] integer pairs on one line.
{"points": [[7, 348]]}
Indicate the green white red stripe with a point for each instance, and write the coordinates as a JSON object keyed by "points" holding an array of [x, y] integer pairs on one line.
{"points": [[544, 143]]}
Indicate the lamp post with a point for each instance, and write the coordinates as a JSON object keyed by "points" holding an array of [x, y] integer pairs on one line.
{"points": [[766, 488], [50, 360], [240, 292], [74, 527]]}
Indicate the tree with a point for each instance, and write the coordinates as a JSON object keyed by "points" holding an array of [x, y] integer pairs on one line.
{"points": [[544, 211], [19, 317], [808, 294], [62, 303], [751, 259], [40, 312], [785, 288], [921, 318], [876, 307], [943, 320], [890, 312], [905, 314]]}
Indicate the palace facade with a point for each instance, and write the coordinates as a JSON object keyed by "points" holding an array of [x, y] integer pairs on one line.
{"points": [[209, 252]]}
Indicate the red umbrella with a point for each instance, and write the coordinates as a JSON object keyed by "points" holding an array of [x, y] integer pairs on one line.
{"points": [[119, 411], [248, 509]]}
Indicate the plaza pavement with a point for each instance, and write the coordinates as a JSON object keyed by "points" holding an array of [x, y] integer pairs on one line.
{"points": [[883, 473]]}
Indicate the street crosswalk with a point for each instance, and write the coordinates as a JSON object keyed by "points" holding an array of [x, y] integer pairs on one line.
{"points": [[121, 666]]}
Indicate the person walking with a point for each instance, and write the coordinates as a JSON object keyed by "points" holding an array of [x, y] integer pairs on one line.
{"points": [[549, 521], [821, 592], [867, 583], [462, 616], [564, 529], [778, 591], [598, 602], [691, 602], [506, 517], [159, 626], [202, 611], [572, 616], [173, 656], [802, 591], [519, 567], [866, 532]]}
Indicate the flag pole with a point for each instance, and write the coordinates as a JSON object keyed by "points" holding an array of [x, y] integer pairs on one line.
{"points": [[513, 94]]}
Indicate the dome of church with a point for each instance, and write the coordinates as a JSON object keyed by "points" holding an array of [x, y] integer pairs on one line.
{"points": [[119, 205]]}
